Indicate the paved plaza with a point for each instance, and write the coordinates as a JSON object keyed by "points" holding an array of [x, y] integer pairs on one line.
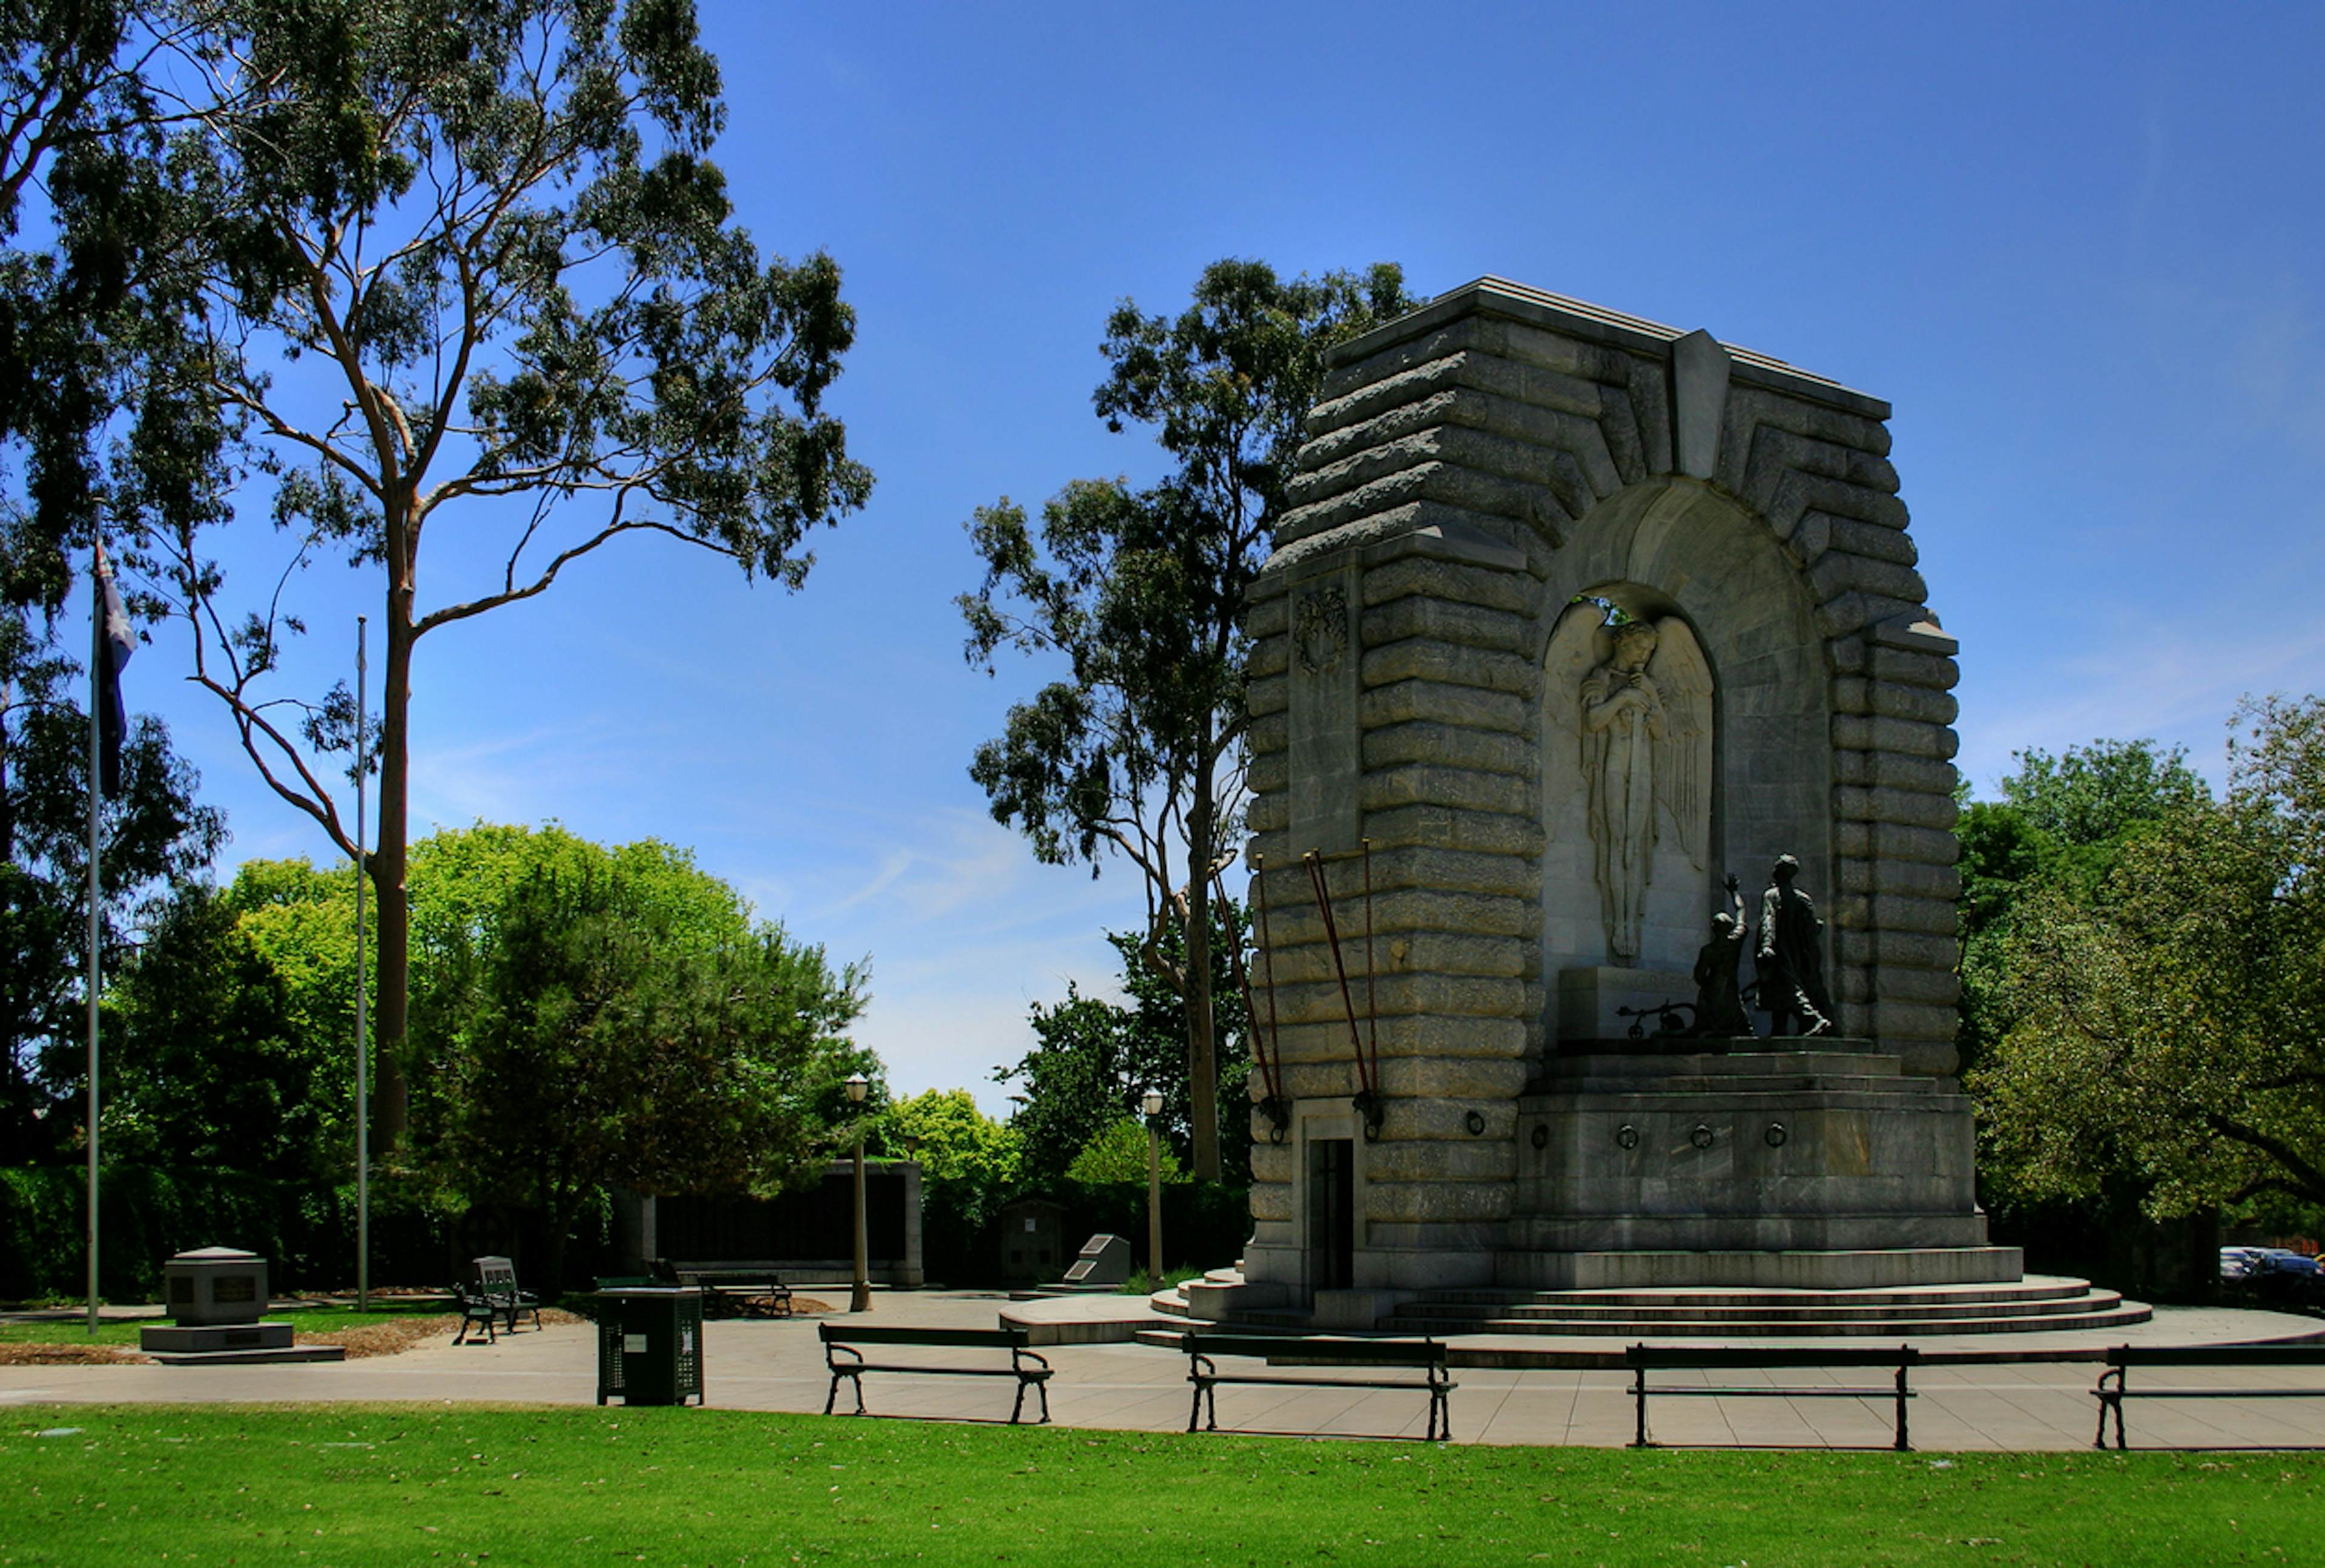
{"points": [[2024, 1404]]}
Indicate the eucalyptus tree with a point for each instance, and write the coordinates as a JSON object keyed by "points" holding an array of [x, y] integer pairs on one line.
{"points": [[462, 270], [77, 308], [1136, 750]]}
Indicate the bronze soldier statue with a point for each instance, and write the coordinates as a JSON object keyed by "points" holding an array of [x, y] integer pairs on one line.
{"points": [[1718, 1002], [1791, 958]]}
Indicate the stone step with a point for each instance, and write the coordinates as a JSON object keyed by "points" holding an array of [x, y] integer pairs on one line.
{"points": [[2036, 1288], [2102, 1313], [1448, 1312]]}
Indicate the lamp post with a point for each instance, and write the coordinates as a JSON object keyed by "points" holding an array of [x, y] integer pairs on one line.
{"points": [[861, 1300], [1153, 1105]]}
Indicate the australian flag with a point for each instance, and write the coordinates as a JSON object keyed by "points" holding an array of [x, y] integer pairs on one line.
{"points": [[113, 647]]}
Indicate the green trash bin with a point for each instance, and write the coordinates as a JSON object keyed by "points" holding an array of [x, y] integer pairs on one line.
{"points": [[650, 1344]]}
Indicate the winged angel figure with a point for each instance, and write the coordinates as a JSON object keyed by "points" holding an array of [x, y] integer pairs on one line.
{"points": [[1645, 706]]}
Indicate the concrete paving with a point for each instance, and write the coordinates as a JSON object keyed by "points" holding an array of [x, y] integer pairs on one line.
{"points": [[778, 1365]]}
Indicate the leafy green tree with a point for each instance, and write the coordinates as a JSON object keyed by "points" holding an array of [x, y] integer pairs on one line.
{"points": [[1093, 1060], [1136, 749], [74, 313], [970, 1163], [1119, 1154], [591, 1031], [460, 271], [2062, 823], [151, 832], [210, 1066], [2172, 1024]]}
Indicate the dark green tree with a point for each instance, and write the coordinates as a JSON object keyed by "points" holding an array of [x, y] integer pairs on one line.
{"points": [[209, 1066], [1137, 748], [2170, 1023], [1093, 1060], [593, 1029], [75, 309], [2062, 824], [460, 269]]}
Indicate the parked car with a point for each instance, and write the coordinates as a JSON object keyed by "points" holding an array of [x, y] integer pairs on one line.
{"points": [[2236, 1262], [2280, 1274]]}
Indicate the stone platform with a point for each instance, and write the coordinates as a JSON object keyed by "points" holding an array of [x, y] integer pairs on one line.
{"points": [[1815, 1166]]}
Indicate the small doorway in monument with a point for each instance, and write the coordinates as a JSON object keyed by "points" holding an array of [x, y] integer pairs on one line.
{"points": [[1331, 1213]]}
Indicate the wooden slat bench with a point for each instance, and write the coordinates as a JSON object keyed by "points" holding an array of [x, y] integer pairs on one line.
{"points": [[1372, 1356], [846, 1340], [1645, 1359], [2114, 1385], [749, 1290]]}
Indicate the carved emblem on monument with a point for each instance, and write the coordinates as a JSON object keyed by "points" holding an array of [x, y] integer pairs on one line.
{"points": [[1645, 713], [1320, 629]]}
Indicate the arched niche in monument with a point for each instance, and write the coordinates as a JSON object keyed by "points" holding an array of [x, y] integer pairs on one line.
{"points": [[1740, 768]]}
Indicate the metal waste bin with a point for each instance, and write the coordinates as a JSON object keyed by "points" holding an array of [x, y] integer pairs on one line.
{"points": [[650, 1344]]}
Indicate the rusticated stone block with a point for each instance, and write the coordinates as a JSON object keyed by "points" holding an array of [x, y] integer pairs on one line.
{"points": [[1439, 952], [1451, 664], [1388, 994], [1893, 841], [1909, 668], [1465, 789], [1920, 950], [1914, 881], [1441, 1202], [1452, 582], [1450, 745], [1856, 611], [1903, 735], [1444, 621], [1908, 808], [1900, 1020], [1485, 1039], [1892, 770], [1450, 828], [1837, 573], [1405, 909], [1919, 703], [1426, 1154], [1398, 866], [1937, 915], [1444, 703], [1935, 988]]}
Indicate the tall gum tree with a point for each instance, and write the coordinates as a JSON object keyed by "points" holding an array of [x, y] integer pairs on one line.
{"points": [[1138, 750], [464, 267]]}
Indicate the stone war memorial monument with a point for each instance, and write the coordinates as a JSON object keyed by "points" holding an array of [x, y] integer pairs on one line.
{"points": [[1593, 688]]}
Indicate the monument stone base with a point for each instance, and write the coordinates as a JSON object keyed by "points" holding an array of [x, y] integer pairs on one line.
{"points": [[1809, 1163]]}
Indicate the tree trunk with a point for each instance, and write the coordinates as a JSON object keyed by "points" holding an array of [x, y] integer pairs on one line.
{"points": [[1202, 1041], [390, 861]]}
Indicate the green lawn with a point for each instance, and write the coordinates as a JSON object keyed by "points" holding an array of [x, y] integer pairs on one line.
{"points": [[318, 1319], [400, 1484]]}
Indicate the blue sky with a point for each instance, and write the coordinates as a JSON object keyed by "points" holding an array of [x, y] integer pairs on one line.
{"points": [[2082, 249]]}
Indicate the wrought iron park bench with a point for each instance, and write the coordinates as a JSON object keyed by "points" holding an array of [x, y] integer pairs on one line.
{"points": [[2114, 1386], [1643, 1359], [843, 1353], [1359, 1363]]}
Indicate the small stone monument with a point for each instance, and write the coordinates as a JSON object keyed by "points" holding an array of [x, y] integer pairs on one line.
{"points": [[1103, 1263], [217, 1299]]}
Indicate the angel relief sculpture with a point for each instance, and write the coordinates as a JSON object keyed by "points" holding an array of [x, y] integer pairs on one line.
{"points": [[1645, 719]]}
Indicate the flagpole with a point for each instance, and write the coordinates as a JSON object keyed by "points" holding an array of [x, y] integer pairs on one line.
{"points": [[96, 796], [363, 1065]]}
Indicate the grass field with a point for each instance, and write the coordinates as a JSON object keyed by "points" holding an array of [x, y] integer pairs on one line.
{"points": [[380, 1485], [316, 1319]]}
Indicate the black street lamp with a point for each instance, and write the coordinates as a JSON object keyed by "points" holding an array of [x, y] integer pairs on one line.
{"points": [[861, 1300], [1153, 1105]]}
